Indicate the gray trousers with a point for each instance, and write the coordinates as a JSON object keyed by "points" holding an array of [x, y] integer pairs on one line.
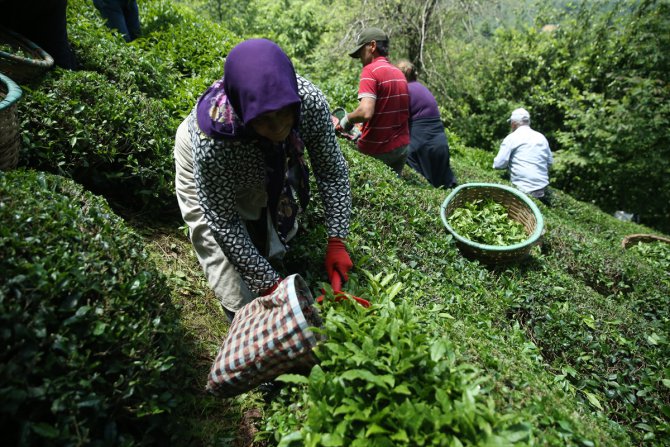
{"points": [[394, 159]]}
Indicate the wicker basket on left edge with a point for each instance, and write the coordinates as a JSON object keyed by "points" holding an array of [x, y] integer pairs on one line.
{"points": [[10, 136], [27, 65]]}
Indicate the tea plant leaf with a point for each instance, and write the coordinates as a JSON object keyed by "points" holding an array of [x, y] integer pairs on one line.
{"points": [[394, 290], [593, 400], [375, 429], [384, 381], [438, 349], [292, 378], [487, 221], [291, 437]]}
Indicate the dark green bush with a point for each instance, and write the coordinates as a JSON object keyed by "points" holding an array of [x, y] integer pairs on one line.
{"points": [[111, 125], [104, 51], [397, 234], [387, 378], [88, 338], [192, 46], [117, 143]]}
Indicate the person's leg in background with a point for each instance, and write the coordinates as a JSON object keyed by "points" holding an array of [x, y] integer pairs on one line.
{"points": [[112, 12], [395, 159], [132, 15]]}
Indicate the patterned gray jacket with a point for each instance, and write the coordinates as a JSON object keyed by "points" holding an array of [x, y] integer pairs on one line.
{"points": [[225, 168]]}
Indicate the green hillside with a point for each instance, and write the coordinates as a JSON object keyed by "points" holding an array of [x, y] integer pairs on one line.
{"points": [[109, 328]]}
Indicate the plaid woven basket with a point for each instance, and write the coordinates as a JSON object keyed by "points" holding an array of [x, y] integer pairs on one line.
{"points": [[19, 68], [268, 337], [519, 208], [10, 137]]}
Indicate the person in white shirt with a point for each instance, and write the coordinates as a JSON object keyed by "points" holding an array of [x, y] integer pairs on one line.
{"points": [[526, 154]]}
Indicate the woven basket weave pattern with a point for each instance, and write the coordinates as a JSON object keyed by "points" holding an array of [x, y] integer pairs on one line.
{"points": [[9, 124], [519, 208], [23, 69]]}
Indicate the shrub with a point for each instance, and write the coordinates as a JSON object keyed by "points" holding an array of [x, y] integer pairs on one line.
{"points": [[88, 338], [115, 142], [396, 233], [387, 378], [597, 87], [104, 51]]}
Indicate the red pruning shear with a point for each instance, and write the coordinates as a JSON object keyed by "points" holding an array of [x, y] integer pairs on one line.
{"points": [[336, 283]]}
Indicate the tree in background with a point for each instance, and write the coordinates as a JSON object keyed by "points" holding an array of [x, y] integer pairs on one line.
{"points": [[596, 81]]}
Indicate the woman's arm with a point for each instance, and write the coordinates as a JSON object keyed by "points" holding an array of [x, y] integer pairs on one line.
{"points": [[216, 172], [326, 159]]}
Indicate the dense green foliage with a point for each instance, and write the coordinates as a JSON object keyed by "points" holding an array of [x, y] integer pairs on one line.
{"points": [[581, 325], [89, 339], [597, 85], [658, 253], [487, 222], [595, 79], [110, 125], [385, 378], [568, 348]]}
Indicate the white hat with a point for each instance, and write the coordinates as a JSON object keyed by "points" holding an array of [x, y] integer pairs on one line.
{"points": [[520, 115]]}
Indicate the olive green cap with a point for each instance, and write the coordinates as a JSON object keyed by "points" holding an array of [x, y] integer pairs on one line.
{"points": [[367, 36]]}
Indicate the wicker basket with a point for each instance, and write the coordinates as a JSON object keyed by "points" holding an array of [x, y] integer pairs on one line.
{"points": [[519, 207], [633, 239], [9, 123], [23, 69]]}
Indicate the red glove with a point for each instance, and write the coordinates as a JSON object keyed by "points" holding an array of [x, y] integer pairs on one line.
{"points": [[336, 282], [340, 296], [337, 261]]}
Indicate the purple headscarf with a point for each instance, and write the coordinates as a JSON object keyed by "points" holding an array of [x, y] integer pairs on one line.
{"points": [[258, 78]]}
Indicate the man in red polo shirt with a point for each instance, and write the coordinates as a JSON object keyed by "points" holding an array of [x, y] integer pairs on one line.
{"points": [[383, 102]]}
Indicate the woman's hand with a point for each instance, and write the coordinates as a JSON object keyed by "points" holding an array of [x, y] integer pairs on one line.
{"points": [[337, 260]]}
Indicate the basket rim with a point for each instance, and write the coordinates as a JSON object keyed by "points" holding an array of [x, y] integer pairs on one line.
{"points": [[45, 61], [339, 112], [643, 237], [532, 239], [14, 92]]}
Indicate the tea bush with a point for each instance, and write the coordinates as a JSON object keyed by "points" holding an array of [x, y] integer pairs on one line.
{"points": [[568, 348], [387, 378], [110, 126], [596, 86], [397, 234], [115, 142], [89, 339], [127, 66]]}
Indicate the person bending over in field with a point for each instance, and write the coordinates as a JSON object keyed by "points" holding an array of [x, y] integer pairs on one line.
{"points": [[428, 146], [241, 176]]}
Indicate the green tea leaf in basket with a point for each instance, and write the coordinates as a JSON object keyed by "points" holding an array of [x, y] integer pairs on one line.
{"points": [[487, 222]]}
